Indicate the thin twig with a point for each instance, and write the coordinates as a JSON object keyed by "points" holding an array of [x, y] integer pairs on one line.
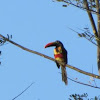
{"points": [[83, 8], [23, 91], [83, 83], [84, 37], [47, 57]]}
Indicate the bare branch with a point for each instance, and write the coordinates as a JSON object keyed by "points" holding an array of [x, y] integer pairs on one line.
{"points": [[85, 37], [91, 19], [83, 83], [47, 57], [98, 25], [98, 16], [23, 91], [83, 8]]}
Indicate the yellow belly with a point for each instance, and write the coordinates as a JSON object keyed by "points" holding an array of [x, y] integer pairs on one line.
{"points": [[60, 59]]}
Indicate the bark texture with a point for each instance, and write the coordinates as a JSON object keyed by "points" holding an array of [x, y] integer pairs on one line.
{"points": [[98, 26]]}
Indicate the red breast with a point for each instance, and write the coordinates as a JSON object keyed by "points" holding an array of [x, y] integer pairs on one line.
{"points": [[58, 55]]}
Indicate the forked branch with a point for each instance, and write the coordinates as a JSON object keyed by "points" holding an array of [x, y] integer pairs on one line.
{"points": [[80, 7]]}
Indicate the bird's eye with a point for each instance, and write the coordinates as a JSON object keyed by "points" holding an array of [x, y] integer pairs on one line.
{"points": [[57, 41]]}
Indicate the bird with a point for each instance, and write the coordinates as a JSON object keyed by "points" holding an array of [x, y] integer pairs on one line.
{"points": [[60, 55]]}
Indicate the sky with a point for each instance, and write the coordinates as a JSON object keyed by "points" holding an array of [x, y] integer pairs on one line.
{"points": [[33, 24]]}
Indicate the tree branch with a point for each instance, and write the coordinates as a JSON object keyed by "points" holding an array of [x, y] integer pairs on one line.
{"points": [[98, 16], [83, 8], [89, 14], [47, 57], [85, 37], [98, 42], [91, 19], [83, 83], [23, 91]]}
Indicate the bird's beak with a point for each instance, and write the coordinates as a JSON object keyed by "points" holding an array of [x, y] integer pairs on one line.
{"points": [[50, 44]]}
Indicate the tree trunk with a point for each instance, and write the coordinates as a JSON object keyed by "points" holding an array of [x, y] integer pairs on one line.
{"points": [[91, 18], [96, 31], [98, 50], [98, 58], [98, 26]]}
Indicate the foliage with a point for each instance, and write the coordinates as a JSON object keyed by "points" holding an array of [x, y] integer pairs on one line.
{"points": [[83, 96]]}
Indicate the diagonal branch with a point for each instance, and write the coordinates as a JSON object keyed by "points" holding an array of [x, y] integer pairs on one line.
{"points": [[89, 14], [98, 26], [91, 19], [83, 83], [23, 91], [98, 16], [47, 57], [84, 37], [83, 8]]}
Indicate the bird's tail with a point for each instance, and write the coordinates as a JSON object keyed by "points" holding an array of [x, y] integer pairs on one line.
{"points": [[64, 75]]}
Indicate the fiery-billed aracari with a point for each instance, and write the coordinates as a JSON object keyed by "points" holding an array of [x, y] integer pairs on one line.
{"points": [[60, 54]]}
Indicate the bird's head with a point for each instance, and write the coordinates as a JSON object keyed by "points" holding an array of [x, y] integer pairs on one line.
{"points": [[56, 44]]}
